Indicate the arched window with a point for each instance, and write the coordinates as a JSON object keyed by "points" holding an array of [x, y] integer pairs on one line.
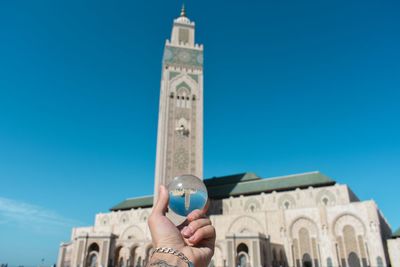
{"points": [[139, 262], [242, 248], [354, 260], [94, 247], [307, 262], [242, 255], [287, 205], [306, 247], [325, 197], [149, 251], [117, 256], [93, 254], [350, 241], [379, 262], [132, 257], [329, 262], [252, 208], [183, 97]]}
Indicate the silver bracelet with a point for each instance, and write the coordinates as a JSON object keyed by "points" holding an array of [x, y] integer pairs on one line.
{"points": [[175, 253]]}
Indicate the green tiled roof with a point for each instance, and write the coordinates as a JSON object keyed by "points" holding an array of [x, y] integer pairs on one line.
{"points": [[255, 186], [397, 233], [242, 184], [231, 179], [132, 203]]}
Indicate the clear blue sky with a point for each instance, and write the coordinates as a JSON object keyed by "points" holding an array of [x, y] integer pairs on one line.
{"points": [[290, 86]]}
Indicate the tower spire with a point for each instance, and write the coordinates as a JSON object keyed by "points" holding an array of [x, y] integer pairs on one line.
{"points": [[183, 10]]}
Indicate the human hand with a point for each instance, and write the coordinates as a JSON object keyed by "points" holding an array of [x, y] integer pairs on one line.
{"points": [[196, 240]]}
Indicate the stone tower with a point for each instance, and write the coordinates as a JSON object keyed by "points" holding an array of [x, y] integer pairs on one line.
{"points": [[180, 121]]}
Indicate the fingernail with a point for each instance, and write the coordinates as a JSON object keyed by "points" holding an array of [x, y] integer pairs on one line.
{"points": [[192, 238], [186, 231]]}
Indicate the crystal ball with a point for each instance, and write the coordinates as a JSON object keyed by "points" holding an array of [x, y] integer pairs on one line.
{"points": [[186, 194]]}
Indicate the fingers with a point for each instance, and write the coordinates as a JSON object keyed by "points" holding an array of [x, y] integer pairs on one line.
{"points": [[161, 207], [197, 214], [189, 230], [203, 234]]}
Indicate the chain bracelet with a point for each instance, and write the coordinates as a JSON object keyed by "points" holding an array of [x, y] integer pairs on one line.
{"points": [[172, 252]]}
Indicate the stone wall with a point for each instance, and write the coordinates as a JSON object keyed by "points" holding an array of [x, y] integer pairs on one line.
{"points": [[394, 251]]}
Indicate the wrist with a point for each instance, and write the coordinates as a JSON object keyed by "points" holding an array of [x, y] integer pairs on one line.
{"points": [[169, 257], [165, 260]]}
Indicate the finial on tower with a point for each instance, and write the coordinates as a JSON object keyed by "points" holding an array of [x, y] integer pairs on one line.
{"points": [[183, 18], [183, 10]]}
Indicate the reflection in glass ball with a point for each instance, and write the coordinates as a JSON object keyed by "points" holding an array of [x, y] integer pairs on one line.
{"points": [[186, 194]]}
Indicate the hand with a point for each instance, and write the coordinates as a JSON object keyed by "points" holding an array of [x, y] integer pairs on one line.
{"points": [[196, 240]]}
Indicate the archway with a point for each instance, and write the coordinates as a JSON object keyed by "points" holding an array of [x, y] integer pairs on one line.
{"points": [[245, 222], [304, 232], [242, 255], [149, 251], [132, 257], [139, 262], [118, 261], [282, 258], [307, 262], [354, 260], [329, 262], [92, 259], [379, 262]]}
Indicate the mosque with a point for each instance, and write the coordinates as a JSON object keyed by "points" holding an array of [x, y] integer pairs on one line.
{"points": [[299, 220]]}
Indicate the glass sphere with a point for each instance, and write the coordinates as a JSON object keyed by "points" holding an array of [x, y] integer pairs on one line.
{"points": [[186, 194]]}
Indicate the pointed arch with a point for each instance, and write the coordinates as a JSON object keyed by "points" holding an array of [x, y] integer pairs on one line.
{"points": [[132, 232], [305, 236], [348, 219], [245, 223], [252, 205], [350, 232], [183, 80], [303, 222]]}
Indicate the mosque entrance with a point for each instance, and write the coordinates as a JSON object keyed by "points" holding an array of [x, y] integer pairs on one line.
{"points": [[307, 262], [354, 260]]}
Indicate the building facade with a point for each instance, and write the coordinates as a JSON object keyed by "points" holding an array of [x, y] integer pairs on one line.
{"points": [[394, 249], [297, 220]]}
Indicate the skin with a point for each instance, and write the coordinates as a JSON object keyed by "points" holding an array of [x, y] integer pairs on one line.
{"points": [[196, 239]]}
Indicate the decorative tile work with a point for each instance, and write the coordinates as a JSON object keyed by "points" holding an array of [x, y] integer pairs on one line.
{"points": [[194, 77], [183, 57], [173, 74]]}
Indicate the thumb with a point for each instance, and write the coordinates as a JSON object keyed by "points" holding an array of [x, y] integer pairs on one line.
{"points": [[161, 206]]}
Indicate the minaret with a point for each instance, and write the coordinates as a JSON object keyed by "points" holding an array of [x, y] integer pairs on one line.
{"points": [[180, 121]]}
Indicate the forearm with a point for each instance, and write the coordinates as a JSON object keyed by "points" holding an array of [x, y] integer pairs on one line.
{"points": [[165, 260]]}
